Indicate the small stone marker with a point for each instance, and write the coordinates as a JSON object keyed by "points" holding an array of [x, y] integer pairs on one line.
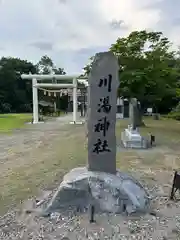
{"points": [[175, 185], [103, 83], [92, 212]]}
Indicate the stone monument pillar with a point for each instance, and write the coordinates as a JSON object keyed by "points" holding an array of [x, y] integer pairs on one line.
{"points": [[94, 185], [103, 83], [133, 113]]}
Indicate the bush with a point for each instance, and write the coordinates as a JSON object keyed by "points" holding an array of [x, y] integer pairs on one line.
{"points": [[5, 108], [25, 108], [176, 109], [174, 115]]}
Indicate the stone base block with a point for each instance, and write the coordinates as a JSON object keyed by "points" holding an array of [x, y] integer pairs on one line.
{"points": [[78, 123], [133, 140], [114, 193]]}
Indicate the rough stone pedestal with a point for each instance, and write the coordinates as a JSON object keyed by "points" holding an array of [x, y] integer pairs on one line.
{"points": [[132, 139], [114, 193]]}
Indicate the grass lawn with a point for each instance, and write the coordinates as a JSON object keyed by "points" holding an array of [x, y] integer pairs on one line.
{"points": [[22, 176], [8, 122], [153, 166]]}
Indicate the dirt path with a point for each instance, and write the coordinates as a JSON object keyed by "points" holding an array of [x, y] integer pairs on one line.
{"points": [[25, 141], [31, 157], [39, 151]]}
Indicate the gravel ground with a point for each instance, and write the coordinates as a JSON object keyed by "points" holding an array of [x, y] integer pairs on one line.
{"points": [[23, 141], [163, 222]]}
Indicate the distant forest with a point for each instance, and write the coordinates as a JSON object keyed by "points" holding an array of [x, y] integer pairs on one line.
{"points": [[152, 75], [16, 93]]}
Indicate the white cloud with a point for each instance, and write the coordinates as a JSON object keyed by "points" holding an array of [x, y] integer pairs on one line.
{"points": [[62, 28]]}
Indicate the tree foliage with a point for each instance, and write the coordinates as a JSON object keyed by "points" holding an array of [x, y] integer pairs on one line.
{"points": [[148, 68], [46, 66], [16, 93], [149, 71]]}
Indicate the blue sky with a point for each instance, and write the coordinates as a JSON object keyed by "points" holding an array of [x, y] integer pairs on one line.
{"points": [[70, 31]]}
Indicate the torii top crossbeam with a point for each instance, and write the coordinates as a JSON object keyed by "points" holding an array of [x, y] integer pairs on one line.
{"points": [[53, 76]]}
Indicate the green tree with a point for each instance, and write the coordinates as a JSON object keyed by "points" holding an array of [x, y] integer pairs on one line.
{"points": [[46, 66], [148, 68], [15, 92]]}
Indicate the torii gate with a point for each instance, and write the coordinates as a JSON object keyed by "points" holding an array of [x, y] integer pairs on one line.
{"points": [[35, 85]]}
